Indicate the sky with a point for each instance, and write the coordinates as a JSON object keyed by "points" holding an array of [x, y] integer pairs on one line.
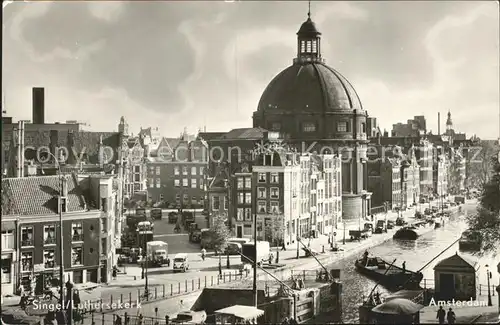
{"points": [[205, 64]]}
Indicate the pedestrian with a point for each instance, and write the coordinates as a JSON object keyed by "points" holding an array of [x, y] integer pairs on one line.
{"points": [[203, 252], [440, 315], [451, 316], [283, 246], [404, 266], [167, 319], [270, 258], [293, 321], [285, 321], [118, 320], [115, 272]]}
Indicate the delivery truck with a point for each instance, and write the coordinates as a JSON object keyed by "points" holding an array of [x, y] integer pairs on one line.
{"points": [[158, 252], [248, 252]]}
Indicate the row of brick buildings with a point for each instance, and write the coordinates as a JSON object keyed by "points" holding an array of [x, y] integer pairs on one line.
{"points": [[288, 193], [31, 228]]}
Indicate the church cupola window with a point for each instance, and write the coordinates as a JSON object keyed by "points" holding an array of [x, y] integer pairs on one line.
{"points": [[308, 42]]}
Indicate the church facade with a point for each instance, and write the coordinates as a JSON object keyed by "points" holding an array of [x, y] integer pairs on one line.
{"points": [[316, 109]]}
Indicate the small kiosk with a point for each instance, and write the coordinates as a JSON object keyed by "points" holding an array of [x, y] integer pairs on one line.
{"points": [[455, 278]]}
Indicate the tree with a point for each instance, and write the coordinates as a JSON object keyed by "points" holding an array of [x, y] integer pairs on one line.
{"points": [[275, 229], [220, 232], [479, 162], [486, 222]]}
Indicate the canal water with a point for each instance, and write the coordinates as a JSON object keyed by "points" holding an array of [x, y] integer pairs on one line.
{"points": [[416, 254]]}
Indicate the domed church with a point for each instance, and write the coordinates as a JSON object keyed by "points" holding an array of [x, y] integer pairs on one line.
{"points": [[312, 105]]}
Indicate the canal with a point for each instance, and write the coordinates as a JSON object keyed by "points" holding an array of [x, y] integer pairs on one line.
{"points": [[416, 254]]}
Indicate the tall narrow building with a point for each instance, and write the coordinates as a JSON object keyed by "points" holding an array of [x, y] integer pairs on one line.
{"points": [[315, 108]]}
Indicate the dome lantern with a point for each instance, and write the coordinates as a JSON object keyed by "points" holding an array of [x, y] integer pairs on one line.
{"points": [[308, 41]]}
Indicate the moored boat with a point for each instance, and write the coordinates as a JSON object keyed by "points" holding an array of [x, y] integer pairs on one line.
{"points": [[407, 233], [391, 277]]}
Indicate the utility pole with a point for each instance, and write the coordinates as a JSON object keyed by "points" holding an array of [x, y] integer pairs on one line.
{"points": [[254, 204], [298, 238]]}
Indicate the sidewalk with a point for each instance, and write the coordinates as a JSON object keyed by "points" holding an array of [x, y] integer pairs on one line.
{"points": [[465, 314]]}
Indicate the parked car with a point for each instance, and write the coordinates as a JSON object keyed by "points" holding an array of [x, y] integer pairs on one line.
{"points": [[181, 262], [390, 224]]}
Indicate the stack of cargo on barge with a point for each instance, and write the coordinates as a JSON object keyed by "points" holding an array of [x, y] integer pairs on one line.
{"points": [[387, 274]]}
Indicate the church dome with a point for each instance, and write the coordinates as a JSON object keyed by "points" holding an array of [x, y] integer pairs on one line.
{"points": [[309, 86]]}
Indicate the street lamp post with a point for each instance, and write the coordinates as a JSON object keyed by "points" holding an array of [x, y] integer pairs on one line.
{"points": [[488, 275], [62, 187]]}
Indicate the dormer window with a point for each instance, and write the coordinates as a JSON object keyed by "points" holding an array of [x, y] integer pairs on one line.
{"points": [[62, 204]]}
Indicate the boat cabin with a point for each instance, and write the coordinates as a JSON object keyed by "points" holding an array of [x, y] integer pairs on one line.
{"points": [[455, 278], [238, 314]]}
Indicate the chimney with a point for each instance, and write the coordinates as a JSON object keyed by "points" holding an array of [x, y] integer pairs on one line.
{"points": [[439, 123], [38, 97]]}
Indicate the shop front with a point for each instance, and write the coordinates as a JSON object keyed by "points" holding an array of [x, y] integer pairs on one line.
{"points": [[8, 276]]}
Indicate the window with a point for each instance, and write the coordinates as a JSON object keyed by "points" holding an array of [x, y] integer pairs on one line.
{"points": [[49, 260], [342, 126], [176, 170], [158, 183], [248, 214], [308, 50], [226, 203], [241, 197], [26, 236], [193, 170], [261, 207], [137, 177], [314, 46], [137, 169], [184, 170], [275, 207], [63, 206], [201, 185], [240, 215], [184, 182], [275, 126], [77, 231], [241, 182], [248, 182], [77, 256], [275, 194], [262, 192], [158, 171], [274, 178], [6, 274], [309, 127], [302, 46], [151, 183], [177, 182], [262, 177], [104, 225], [7, 239], [49, 235], [215, 203], [104, 246], [193, 183], [363, 127], [248, 198], [26, 261]]}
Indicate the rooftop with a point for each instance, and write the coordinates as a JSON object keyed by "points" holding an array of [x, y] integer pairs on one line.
{"points": [[31, 196]]}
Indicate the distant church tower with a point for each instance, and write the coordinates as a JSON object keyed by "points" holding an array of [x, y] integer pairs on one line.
{"points": [[123, 127]]}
